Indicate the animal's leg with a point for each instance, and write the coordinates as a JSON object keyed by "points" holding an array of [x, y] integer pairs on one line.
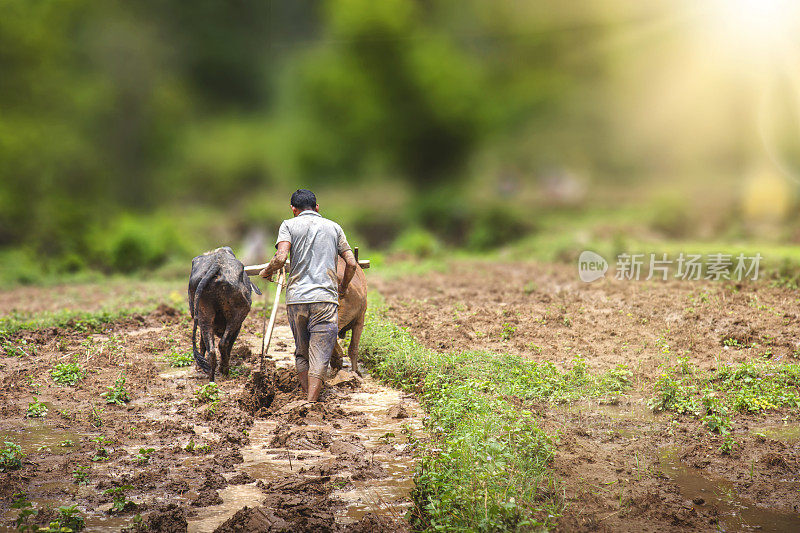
{"points": [[336, 358], [226, 345], [352, 350], [207, 334]]}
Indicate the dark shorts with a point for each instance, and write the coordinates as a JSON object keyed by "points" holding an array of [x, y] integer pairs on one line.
{"points": [[315, 327]]}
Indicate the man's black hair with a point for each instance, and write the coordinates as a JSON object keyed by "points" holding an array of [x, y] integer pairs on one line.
{"points": [[304, 199]]}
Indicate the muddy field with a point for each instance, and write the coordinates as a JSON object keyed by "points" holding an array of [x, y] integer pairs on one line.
{"points": [[347, 464], [169, 461], [622, 467]]}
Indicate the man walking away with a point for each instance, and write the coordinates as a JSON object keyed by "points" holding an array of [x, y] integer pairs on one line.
{"points": [[313, 288]]}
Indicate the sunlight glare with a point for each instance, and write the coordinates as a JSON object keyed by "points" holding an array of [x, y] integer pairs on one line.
{"points": [[758, 28]]}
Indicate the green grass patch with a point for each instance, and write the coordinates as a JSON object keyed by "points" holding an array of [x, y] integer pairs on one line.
{"points": [[82, 321], [717, 396], [118, 298], [20, 348], [67, 374], [486, 466], [178, 359]]}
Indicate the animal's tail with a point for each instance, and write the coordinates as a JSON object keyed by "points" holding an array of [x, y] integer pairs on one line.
{"points": [[199, 359]]}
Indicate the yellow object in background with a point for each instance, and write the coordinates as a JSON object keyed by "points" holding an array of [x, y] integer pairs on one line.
{"points": [[767, 196]]}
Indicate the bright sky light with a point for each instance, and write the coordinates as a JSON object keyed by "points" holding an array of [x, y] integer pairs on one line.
{"points": [[760, 29]]}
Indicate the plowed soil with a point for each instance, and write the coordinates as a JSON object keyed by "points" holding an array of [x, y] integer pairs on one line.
{"points": [[269, 462], [621, 467]]}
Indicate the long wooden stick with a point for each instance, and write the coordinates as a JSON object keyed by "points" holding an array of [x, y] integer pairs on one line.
{"points": [[268, 333], [253, 270]]}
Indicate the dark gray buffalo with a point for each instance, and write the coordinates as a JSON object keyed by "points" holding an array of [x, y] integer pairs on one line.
{"points": [[219, 300]]}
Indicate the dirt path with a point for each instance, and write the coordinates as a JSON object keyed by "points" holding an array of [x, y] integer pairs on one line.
{"points": [[182, 464], [354, 441]]}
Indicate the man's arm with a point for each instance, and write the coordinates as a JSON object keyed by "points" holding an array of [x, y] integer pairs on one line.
{"points": [[350, 265], [278, 260]]}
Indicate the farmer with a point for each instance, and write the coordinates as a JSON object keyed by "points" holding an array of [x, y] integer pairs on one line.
{"points": [[313, 288]]}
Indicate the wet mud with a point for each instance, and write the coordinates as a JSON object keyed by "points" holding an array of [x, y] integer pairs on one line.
{"points": [[259, 459]]}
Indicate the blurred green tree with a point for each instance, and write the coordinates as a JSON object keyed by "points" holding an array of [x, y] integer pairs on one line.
{"points": [[382, 91]]}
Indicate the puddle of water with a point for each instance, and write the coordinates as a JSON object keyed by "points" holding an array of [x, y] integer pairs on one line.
{"points": [[38, 434], [172, 373], [388, 495], [106, 523], [782, 432], [735, 513], [234, 497]]}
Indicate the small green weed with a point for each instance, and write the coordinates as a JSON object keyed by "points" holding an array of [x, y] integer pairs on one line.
{"points": [[116, 393], [239, 370], [20, 349], [179, 359], [507, 331], [143, 457], [26, 512], [101, 454], [727, 445], [69, 520], [81, 474], [67, 374], [529, 288], [36, 409], [209, 393], [750, 387], [194, 449], [121, 501], [733, 343], [94, 416], [10, 457]]}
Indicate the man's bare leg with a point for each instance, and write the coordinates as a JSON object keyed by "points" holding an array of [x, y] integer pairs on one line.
{"points": [[303, 377], [314, 386]]}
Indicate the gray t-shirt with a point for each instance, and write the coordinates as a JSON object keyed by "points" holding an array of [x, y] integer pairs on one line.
{"points": [[316, 242]]}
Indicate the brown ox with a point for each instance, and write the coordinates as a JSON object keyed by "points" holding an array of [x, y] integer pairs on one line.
{"points": [[352, 308]]}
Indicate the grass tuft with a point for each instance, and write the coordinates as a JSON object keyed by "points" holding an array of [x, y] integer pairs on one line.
{"points": [[716, 396], [67, 374], [177, 359]]}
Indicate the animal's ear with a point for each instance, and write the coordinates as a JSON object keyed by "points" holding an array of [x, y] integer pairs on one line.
{"points": [[255, 288]]}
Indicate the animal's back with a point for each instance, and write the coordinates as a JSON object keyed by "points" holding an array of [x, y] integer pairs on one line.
{"points": [[227, 283], [354, 303]]}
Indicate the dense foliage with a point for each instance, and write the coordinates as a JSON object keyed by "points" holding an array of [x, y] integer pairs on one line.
{"points": [[120, 120]]}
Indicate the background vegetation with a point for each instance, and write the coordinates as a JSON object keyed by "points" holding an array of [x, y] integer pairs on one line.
{"points": [[134, 135]]}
